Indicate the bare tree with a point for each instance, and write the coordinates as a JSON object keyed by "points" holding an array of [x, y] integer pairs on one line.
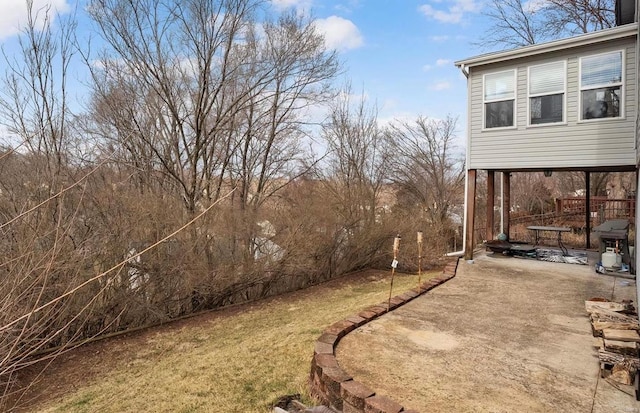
{"points": [[38, 233], [520, 23], [354, 175], [50, 239], [575, 182], [531, 193], [581, 16], [34, 99], [271, 127], [513, 25], [187, 85], [168, 85], [197, 96], [426, 165]]}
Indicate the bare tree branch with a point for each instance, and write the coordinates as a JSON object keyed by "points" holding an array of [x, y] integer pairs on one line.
{"points": [[519, 23]]}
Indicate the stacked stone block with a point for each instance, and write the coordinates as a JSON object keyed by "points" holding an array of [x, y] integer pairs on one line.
{"points": [[334, 386]]}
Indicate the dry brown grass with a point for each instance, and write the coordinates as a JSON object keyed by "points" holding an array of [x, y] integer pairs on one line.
{"points": [[240, 363]]}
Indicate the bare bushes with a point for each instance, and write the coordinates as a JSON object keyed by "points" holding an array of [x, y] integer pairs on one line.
{"points": [[95, 257], [186, 184], [44, 257], [438, 240], [318, 242]]}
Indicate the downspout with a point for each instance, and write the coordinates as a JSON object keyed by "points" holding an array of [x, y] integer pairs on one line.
{"points": [[464, 220], [502, 205], [466, 186], [464, 71]]}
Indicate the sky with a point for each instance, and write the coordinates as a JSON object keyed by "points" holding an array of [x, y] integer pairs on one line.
{"points": [[399, 54]]}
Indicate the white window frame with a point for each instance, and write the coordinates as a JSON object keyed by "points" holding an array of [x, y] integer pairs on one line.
{"points": [[562, 91], [485, 101], [621, 84]]}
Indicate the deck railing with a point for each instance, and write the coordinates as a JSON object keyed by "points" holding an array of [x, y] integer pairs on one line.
{"points": [[601, 208], [570, 212]]}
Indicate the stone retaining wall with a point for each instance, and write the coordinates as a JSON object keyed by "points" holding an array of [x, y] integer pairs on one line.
{"points": [[334, 386]]}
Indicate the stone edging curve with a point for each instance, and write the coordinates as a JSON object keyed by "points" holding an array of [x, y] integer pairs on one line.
{"points": [[335, 387]]}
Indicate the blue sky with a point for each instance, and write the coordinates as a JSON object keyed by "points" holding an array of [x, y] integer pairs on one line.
{"points": [[404, 59], [399, 53]]}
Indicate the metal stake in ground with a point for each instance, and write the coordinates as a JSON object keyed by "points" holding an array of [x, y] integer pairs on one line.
{"points": [[394, 264], [419, 259]]}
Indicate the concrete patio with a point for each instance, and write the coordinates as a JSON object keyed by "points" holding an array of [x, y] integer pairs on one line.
{"points": [[505, 335]]}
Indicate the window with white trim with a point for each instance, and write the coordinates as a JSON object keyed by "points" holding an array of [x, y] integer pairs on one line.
{"points": [[601, 85], [547, 84], [499, 99]]}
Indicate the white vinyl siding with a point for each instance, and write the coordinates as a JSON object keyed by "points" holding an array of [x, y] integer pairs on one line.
{"points": [[547, 85], [572, 144], [602, 86], [499, 99]]}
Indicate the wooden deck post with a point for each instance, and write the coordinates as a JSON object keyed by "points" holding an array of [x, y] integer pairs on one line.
{"points": [[637, 236], [471, 210], [587, 207], [490, 203], [506, 202]]}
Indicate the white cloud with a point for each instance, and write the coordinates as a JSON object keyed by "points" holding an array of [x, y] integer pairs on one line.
{"points": [[441, 38], [394, 118], [301, 6], [443, 85], [284, 4], [346, 95], [15, 12], [439, 63], [349, 6], [340, 34], [533, 6], [452, 14]]}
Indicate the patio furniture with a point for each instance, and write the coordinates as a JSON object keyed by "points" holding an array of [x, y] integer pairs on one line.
{"points": [[558, 230]]}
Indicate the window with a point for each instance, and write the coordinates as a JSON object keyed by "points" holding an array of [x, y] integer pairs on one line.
{"points": [[499, 99], [546, 93], [601, 85]]}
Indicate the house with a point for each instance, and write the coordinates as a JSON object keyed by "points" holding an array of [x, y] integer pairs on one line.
{"points": [[565, 105]]}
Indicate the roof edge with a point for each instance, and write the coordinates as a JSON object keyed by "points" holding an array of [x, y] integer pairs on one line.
{"points": [[614, 33]]}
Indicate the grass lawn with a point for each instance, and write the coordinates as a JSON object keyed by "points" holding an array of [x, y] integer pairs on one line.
{"points": [[228, 361]]}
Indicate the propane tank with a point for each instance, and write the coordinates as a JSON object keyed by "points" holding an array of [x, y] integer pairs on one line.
{"points": [[609, 258]]}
